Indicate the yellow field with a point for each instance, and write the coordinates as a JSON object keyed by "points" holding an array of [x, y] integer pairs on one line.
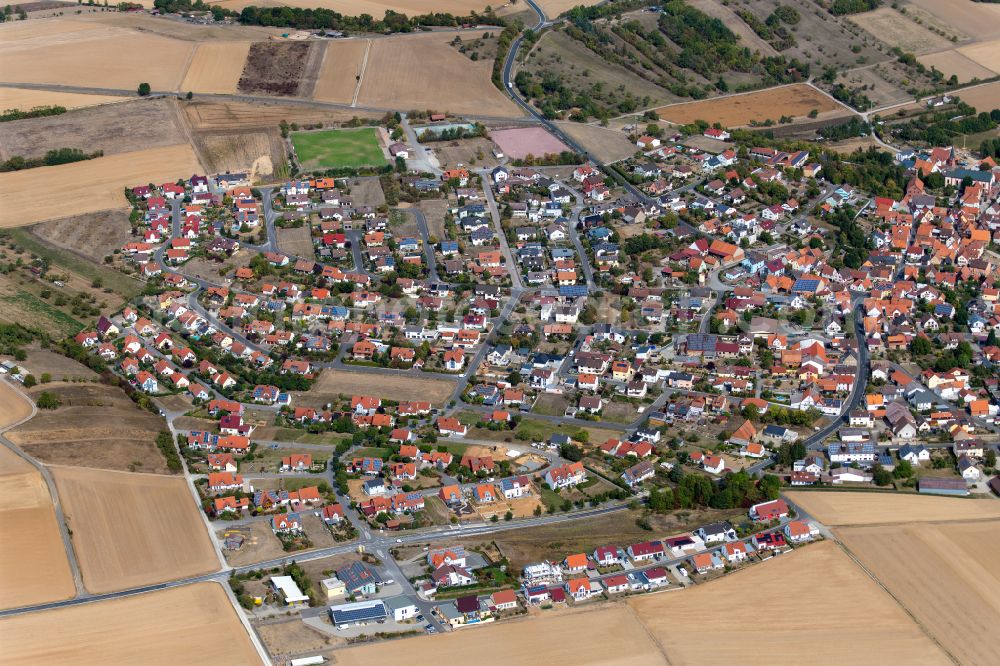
{"points": [[985, 97], [604, 636], [947, 578], [34, 568], [216, 67], [194, 624], [807, 607], [838, 508], [986, 54], [133, 529], [425, 72], [794, 100], [978, 20], [46, 193], [61, 51], [24, 99], [554, 8], [952, 62], [342, 62], [888, 25]]}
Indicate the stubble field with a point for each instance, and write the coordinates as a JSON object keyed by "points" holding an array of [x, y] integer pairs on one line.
{"points": [[133, 529], [216, 67], [332, 383], [24, 99], [425, 72], [984, 98], [815, 596], [34, 568], [948, 578], [61, 51], [834, 509], [376, 8], [607, 145], [27, 196], [342, 62], [895, 29], [794, 100], [190, 624]]}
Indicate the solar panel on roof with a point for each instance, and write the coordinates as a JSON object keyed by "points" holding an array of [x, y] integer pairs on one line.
{"points": [[573, 291], [805, 285], [365, 614]]}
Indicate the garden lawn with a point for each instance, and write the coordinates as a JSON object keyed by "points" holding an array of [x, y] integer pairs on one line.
{"points": [[336, 149]]}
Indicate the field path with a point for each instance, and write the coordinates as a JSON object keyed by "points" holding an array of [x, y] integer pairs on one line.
{"points": [[361, 74], [8, 390]]}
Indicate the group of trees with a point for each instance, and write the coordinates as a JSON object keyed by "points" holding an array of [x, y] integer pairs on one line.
{"points": [[939, 128], [51, 158], [734, 490]]}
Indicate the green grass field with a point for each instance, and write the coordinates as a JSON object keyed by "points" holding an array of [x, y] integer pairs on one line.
{"points": [[335, 149]]}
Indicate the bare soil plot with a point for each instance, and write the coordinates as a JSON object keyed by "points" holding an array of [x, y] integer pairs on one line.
{"points": [[952, 63], [978, 20], [793, 100], [154, 628], [289, 639], [95, 426], [836, 608], [343, 62], [434, 210], [605, 144], [948, 581], [60, 368], [92, 55], [120, 128], [93, 236], [470, 152], [332, 383], [888, 25], [425, 72], [297, 242], [607, 635], [746, 34], [24, 99], [33, 564], [985, 97], [133, 529], [520, 142], [216, 67], [260, 545], [275, 68], [848, 146], [840, 508], [367, 192], [27, 196], [260, 153]]}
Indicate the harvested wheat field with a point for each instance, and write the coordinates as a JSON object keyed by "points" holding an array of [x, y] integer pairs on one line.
{"points": [[332, 383], [133, 529], [985, 97], [605, 635], [554, 8], [96, 426], [607, 145], [986, 54], [426, 72], [25, 99], [815, 596], [34, 568], [90, 54], [795, 100], [255, 152], [342, 63], [839, 508], [154, 628], [27, 196], [229, 116], [952, 62], [216, 67], [948, 579]]}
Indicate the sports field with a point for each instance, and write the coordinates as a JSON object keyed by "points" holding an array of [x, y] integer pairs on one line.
{"points": [[334, 149]]}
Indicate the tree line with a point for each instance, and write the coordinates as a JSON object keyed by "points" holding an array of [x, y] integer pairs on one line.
{"points": [[51, 158]]}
